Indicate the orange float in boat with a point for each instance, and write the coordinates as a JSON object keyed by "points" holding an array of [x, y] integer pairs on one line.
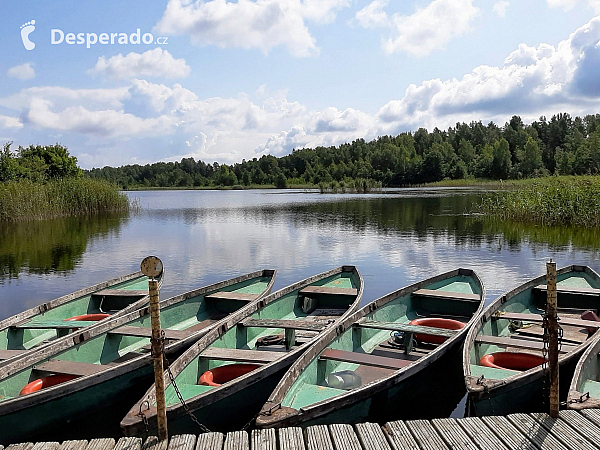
{"points": [[219, 375], [45, 382], [435, 322], [88, 317], [511, 361]]}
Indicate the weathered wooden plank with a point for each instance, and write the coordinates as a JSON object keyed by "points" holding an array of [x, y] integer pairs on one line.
{"points": [[454, 436], [593, 415], [308, 290], [563, 432], [447, 295], [7, 354], [182, 442], [263, 439], [405, 327], [152, 443], [510, 435], [121, 293], [504, 341], [57, 324], [129, 330], [46, 446], [300, 324], [399, 436], [371, 436], [129, 443], [291, 438], [236, 440], [318, 438], [101, 444], [344, 437], [584, 426], [240, 355], [569, 290], [70, 367], [232, 296], [21, 446], [74, 445], [538, 318], [210, 441], [481, 434], [539, 435], [364, 358], [425, 435]]}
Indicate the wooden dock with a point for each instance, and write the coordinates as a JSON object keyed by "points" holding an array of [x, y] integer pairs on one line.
{"points": [[573, 430]]}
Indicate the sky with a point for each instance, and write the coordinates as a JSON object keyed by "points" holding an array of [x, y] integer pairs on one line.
{"points": [[124, 82]]}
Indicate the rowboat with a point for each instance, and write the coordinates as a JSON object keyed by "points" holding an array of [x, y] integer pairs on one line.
{"points": [[240, 361], [372, 366], [584, 392], [107, 365], [51, 320], [503, 354]]}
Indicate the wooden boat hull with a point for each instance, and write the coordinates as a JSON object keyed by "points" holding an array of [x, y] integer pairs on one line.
{"points": [[584, 389]]}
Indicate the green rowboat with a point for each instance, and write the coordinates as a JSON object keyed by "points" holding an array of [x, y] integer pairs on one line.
{"points": [[44, 323], [503, 352], [362, 371], [110, 363], [237, 367], [584, 392]]}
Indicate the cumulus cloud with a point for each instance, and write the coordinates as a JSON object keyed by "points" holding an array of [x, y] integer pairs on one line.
{"points": [[22, 72], [156, 63], [426, 30], [261, 24], [10, 122], [500, 8]]}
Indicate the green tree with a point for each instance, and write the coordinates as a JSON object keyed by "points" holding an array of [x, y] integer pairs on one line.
{"points": [[501, 163]]}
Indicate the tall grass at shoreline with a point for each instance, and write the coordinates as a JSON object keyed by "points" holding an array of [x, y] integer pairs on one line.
{"points": [[27, 200], [560, 200]]}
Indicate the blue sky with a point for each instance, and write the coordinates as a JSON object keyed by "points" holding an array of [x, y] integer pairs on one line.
{"points": [[236, 80]]}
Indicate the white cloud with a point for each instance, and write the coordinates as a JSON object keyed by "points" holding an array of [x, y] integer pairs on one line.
{"points": [[568, 5], [426, 30], [22, 72], [10, 122], [151, 64], [500, 8], [261, 24]]}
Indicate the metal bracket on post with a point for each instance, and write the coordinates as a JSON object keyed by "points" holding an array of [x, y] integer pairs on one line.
{"points": [[152, 267], [551, 308]]}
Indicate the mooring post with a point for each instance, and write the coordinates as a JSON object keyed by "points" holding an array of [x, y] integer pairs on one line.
{"points": [[551, 306], [152, 267]]}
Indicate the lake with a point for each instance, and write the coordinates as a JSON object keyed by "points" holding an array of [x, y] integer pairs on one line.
{"points": [[395, 238]]}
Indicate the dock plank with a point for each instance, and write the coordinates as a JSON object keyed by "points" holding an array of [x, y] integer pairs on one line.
{"points": [[21, 446], [152, 443], [455, 437], [129, 443], [318, 438], [510, 435], [182, 442], [74, 445], [210, 441], [371, 436], [593, 415], [263, 439], [101, 444], [567, 435], [578, 421], [46, 446], [236, 440], [481, 434], [291, 438], [344, 437], [539, 435], [426, 435], [399, 436]]}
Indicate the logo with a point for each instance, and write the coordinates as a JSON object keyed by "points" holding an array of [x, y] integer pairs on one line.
{"points": [[26, 30]]}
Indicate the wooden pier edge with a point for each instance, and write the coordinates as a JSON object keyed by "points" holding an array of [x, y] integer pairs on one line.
{"points": [[571, 430]]}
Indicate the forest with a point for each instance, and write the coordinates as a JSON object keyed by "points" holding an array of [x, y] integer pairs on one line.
{"points": [[562, 145]]}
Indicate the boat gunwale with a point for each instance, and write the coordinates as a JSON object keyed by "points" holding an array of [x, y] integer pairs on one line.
{"points": [[84, 382], [294, 416], [199, 400], [525, 377], [574, 393]]}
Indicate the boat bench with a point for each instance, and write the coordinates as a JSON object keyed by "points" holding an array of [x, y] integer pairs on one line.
{"points": [[312, 290], [447, 295], [364, 359], [538, 318], [56, 324], [569, 290], [505, 341], [288, 324], [7, 354], [70, 367], [240, 355], [231, 296], [128, 330], [121, 293]]}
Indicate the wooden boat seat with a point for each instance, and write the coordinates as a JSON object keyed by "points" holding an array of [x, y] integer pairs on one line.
{"points": [[56, 324], [364, 359], [240, 355], [505, 341], [569, 290], [121, 293], [407, 328], [538, 318], [312, 290], [7, 354], [289, 324], [232, 296], [70, 367], [147, 332], [447, 295]]}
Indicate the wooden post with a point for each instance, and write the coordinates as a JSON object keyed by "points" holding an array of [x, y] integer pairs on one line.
{"points": [[151, 267], [551, 306]]}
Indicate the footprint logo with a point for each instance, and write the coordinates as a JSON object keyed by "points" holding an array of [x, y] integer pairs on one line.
{"points": [[26, 30]]}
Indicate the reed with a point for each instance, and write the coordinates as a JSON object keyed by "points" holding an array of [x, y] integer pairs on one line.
{"points": [[549, 201], [27, 200]]}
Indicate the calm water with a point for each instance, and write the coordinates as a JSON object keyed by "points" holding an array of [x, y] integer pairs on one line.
{"points": [[202, 237]]}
